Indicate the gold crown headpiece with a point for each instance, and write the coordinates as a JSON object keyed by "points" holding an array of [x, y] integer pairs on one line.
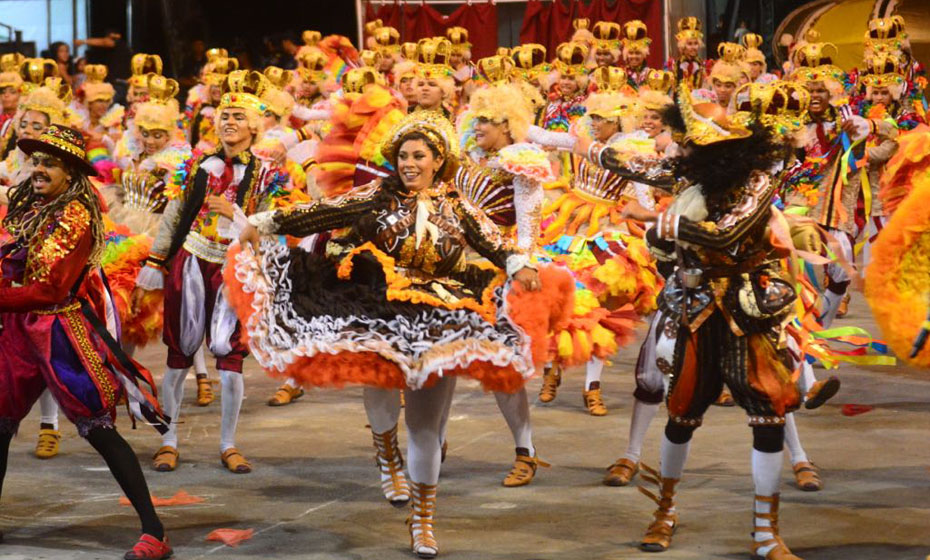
{"points": [[51, 98], [815, 65], [9, 70], [607, 35], [313, 59], [161, 89], [883, 70], [142, 64], [243, 89], [495, 68], [387, 40], [502, 51], [751, 42], [609, 78], [431, 124], [372, 26], [433, 57], [886, 34], [278, 77], [356, 79], [160, 111], [660, 80], [408, 50], [570, 58], [690, 28], [215, 53], [219, 69], [706, 123], [95, 89], [311, 38], [635, 36], [581, 23], [529, 61], [458, 36], [778, 105], [34, 72], [731, 52], [370, 58], [96, 73]]}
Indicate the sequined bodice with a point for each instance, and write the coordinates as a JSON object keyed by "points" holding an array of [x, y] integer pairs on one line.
{"points": [[490, 189]]}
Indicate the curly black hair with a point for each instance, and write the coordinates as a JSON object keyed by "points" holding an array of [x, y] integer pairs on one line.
{"points": [[722, 167]]}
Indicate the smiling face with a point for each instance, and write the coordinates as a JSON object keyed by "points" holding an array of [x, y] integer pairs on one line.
{"points": [[603, 57], [820, 98], [429, 94], [98, 108], [33, 124], [567, 85], [490, 134], [755, 69], [635, 59], [50, 175], [417, 164], [234, 126], [724, 91], [9, 99], [153, 140], [604, 129], [408, 89], [691, 48], [652, 123]]}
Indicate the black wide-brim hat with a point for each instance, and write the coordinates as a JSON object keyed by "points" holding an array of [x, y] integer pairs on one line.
{"points": [[62, 142]]}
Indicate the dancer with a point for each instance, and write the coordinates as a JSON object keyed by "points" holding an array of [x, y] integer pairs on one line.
{"points": [[403, 263], [54, 309], [188, 254]]}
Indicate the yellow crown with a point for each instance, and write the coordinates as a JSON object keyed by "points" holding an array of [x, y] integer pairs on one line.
{"points": [[495, 68], [95, 73], [216, 53], [571, 57], [160, 111], [706, 123], [581, 23], [815, 64], [387, 39], [278, 77], [217, 71], [51, 98], [607, 35], [883, 70], [635, 36], [370, 58], [458, 36], [690, 28], [751, 42], [609, 78], [311, 38], [529, 61], [10, 62], [884, 29], [244, 89], [372, 26], [431, 124], [356, 79], [660, 80], [731, 52], [778, 105], [798, 98], [408, 50], [812, 55], [34, 71], [433, 57], [142, 64], [161, 89], [502, 51], [313, 59]]}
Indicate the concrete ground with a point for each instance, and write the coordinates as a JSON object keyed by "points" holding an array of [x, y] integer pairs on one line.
{"points": [[314, 493]]}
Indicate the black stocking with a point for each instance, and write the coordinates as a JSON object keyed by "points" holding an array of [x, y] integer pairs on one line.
{"points": [[124, 465]]}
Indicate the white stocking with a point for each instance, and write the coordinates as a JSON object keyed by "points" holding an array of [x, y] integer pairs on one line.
{"points": [[423, 413], [48, 409], [447, 408], [200, 362], [831, 305], [593, 371], [766, 476], [382, 406], [233, 390], [795, 451], [295, 385], [806, 380], [515, 407], [172, 393], [673, 457], [643, 414]]}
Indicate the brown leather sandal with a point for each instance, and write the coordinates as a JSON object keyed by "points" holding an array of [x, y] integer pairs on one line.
{"points": [[658, 537], [523, 471], [205, 394], [285, 395], [821, 392], [780, 550], [725, 399], [621, 472], [165, 459], [235, 462], [594, 401], [48, 443], [807, 476], [552, 378]]}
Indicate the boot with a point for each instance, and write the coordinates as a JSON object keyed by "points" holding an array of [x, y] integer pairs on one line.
{"points": [[665, 519], [391, 465], [780, 551], [420, 521], [552, 378]]}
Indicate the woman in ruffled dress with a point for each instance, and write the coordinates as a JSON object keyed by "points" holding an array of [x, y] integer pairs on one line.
{"points": [[394, 303]]}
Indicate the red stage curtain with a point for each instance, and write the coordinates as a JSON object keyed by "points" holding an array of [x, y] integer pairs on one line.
{"points": [[479, 19], [550, 23], [389, 14]]}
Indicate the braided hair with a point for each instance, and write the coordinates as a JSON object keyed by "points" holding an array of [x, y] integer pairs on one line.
{"points": [[22, 224]]}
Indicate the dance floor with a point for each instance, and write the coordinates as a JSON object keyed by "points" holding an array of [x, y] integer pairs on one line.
{"points": [[314, 493]]}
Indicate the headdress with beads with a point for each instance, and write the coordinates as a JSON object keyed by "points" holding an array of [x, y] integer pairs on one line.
{"points": [[570, 59], [706, 122], [244, 89], [727, 69], [636, 36], [34, 72], [387, 40], [50, 99], [751, 42], [311, 38], [9, 70], [160, 110], [816, 65], [607, 35], [458, 36], [95, 88], [141, 65], [356, 79], [690, 28], [529, 61], [279, 101], [433, 58], [218, 70], [494, 69], [431, 124], [609, 78]]}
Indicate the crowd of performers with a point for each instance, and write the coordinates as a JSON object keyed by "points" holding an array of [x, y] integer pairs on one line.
{"points": [[400, 216]]}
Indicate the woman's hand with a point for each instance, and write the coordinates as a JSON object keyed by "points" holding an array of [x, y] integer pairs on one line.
{"points": [[135, 299], [250, 236], [582, 144], [635, 211], [528, 278], [221, 206]]}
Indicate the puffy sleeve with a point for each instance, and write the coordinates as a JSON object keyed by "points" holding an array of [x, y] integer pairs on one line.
{"points": [[55, 265], [315, 217]]}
